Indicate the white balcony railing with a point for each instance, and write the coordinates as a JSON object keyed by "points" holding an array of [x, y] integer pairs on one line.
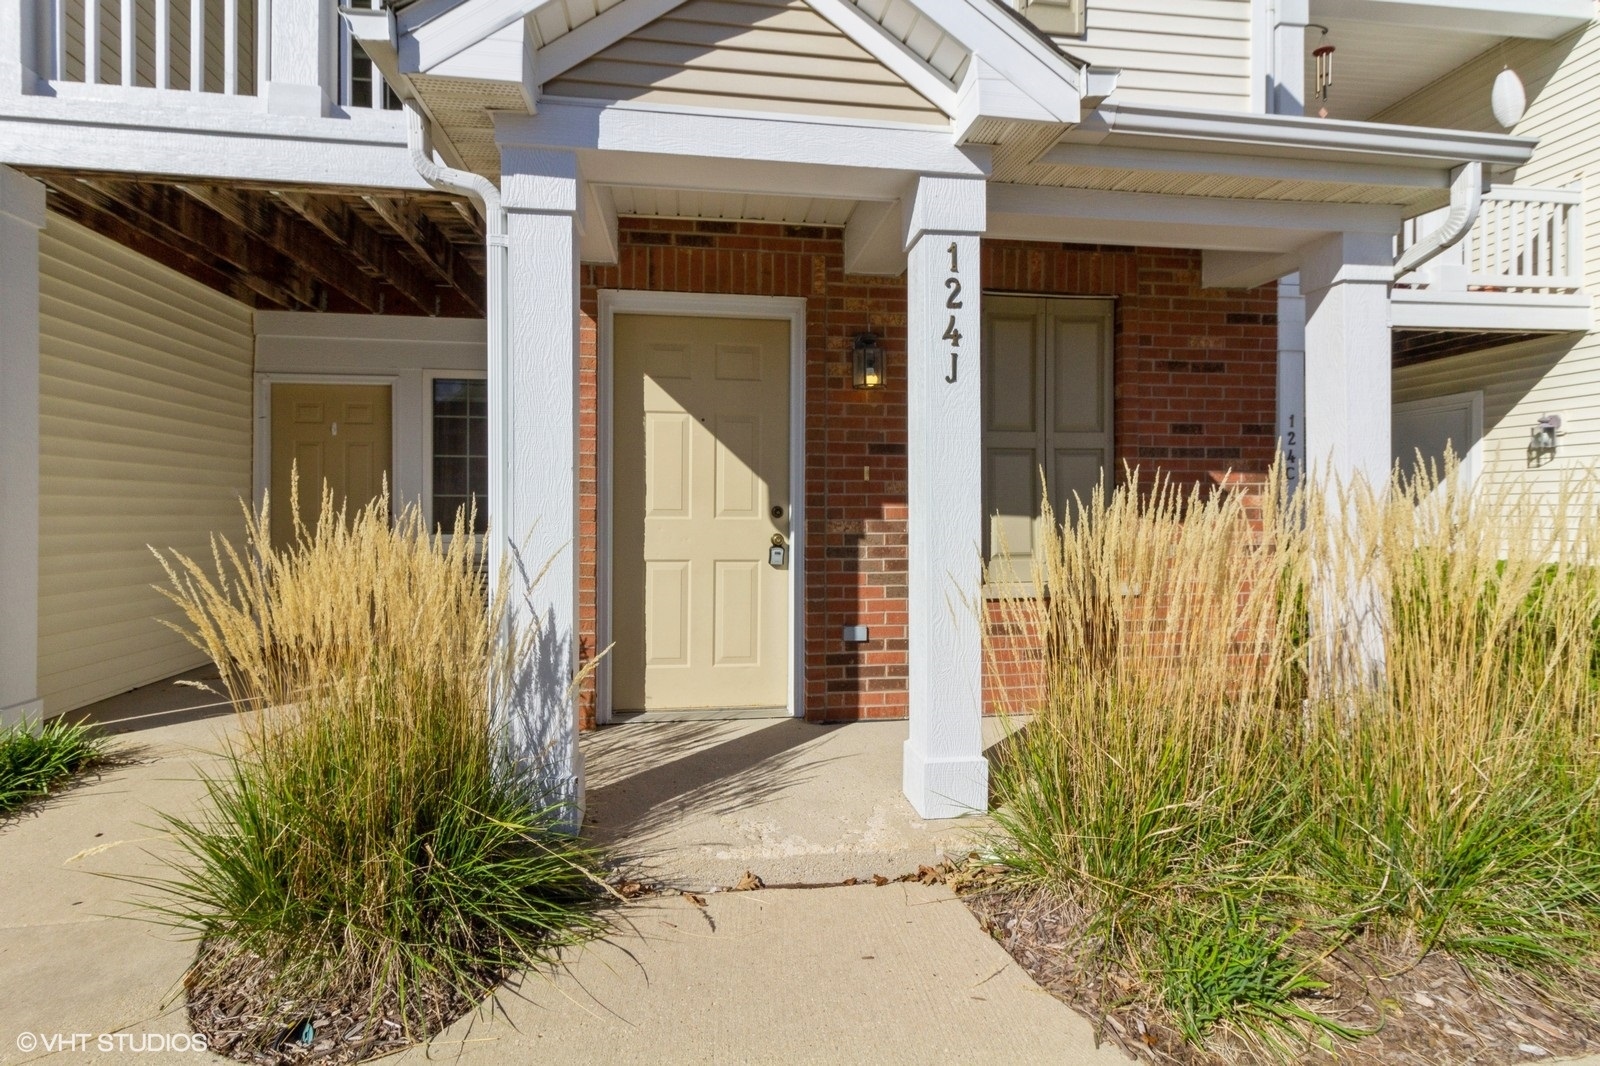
{"points": [[1525, 240], [223, 48]]}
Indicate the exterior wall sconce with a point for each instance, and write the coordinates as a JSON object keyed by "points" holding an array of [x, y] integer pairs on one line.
{"points": [[867, 363], [1544, 435]]}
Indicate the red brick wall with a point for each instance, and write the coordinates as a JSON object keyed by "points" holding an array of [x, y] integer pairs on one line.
{"points": [[1194, 386]]}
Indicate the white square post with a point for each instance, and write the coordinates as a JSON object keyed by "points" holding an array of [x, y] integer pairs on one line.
{"points": [[1345, 281], [945, 772], [21, 217], [533, 458], [303, 58]]}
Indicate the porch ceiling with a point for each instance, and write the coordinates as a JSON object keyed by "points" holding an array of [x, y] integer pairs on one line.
{"points": [[291, 249], [716, 206]]}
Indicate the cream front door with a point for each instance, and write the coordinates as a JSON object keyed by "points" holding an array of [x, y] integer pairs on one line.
{"points": [[700, 612], [338, 434]]}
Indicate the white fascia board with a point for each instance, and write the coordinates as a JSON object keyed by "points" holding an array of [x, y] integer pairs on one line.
{"points": [[1492, 312], [227, 144], [652, 129], [1006, 42], [1241, 133], [1277, 168], [430, 37], [1048, 201], [506, 55], [986, 93], [588, 39], [1535, 19]]}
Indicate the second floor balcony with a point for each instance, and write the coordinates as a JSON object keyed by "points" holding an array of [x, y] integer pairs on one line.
{"points": [[1519, 269]]}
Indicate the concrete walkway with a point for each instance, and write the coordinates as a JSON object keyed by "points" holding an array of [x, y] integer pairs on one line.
{"points": [[897, 974]]}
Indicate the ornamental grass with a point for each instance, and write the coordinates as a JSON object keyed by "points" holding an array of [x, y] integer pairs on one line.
{"points": [[373, 857], [1272, 728]]}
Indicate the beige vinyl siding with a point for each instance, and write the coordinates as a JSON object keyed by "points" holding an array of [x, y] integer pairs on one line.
{"points": [[1560, 375], [1195, 54], [145, 439], [748, 54]]}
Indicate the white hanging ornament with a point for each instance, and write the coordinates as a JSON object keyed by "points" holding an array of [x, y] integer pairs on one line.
{"points": [[1508, 99]]}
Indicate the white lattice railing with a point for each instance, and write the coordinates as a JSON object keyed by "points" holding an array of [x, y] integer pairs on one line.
{"points": [[218, 47], [1524, 240]]}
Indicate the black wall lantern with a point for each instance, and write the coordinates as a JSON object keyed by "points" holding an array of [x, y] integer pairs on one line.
{"points": [[868, 363]]}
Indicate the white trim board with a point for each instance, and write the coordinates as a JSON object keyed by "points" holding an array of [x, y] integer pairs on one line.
{"points": [[637, 302]]}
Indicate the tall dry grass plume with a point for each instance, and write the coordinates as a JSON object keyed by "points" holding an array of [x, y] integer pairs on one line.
{"points": [[1373, 713], [372, 838]]}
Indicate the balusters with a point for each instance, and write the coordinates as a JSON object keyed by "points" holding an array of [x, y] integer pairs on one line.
{"points": [[129, 25], [197, 46], [230, 47], [91, 42], [263, 69], [163, 44]]}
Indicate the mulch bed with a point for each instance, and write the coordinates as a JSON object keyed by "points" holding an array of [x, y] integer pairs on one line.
{"points": [[231, 1003], [1431, 1012]]}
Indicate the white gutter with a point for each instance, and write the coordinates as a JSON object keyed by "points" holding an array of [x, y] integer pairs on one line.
{"points": [[1466, 197], [486, 197]]}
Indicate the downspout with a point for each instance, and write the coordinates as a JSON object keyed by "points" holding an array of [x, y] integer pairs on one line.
{"points": [[1466, 197], [486, 197]]}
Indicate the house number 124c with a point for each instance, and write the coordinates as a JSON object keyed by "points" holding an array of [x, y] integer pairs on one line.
{"points": [[953, 302]]}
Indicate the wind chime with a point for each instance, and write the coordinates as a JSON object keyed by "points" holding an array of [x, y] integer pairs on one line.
{"points": [[1323, 54]]}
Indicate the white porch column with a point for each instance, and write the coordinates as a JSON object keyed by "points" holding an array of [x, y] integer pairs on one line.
{"points": [[21, 218], [945, 773], [1345, 281], [303, 57], [533, 458], [1291, 392]]}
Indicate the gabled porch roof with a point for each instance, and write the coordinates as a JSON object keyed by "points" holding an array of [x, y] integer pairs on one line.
{"points": [[995, 100]]}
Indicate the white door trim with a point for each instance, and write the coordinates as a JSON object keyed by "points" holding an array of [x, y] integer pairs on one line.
{"points": [[261, 464], [1470, 402], [792, 309]]}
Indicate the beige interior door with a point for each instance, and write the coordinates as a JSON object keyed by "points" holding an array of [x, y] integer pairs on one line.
{"points": [[340, 434], [700, 476], [1047, 408]]}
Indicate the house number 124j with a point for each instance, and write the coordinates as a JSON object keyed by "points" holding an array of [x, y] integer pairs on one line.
{"points": [[953, 302]]}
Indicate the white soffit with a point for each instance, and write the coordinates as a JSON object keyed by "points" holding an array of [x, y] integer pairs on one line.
{"points": [[725, 206]]}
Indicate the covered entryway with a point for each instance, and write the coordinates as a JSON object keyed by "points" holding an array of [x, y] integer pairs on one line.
{"points": [[702, 514]]}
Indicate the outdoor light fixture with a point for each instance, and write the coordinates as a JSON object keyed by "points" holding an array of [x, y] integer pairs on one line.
{"points": [[1544, 434], [868, 363]]}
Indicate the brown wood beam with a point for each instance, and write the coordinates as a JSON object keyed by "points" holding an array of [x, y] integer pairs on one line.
{"points": [[469, 216], [374, 255], [230, 285], [295, 239], [432, 246], [155, 237]]}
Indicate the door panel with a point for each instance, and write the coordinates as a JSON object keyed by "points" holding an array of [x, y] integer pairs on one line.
{"points": [[701, 456], [341, 433], [1046, 408]]}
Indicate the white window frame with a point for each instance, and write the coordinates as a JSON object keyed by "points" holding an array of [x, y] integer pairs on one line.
{"points": [[428, 378]]}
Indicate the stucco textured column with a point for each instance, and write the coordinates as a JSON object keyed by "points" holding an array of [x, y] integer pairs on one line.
{"points": [[945, 773], [533, 458], [21, 218], [1345, 281]]}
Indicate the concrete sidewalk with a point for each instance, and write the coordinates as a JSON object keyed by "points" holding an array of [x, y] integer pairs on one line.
{"points": [[901, 973], [898, 974]]}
